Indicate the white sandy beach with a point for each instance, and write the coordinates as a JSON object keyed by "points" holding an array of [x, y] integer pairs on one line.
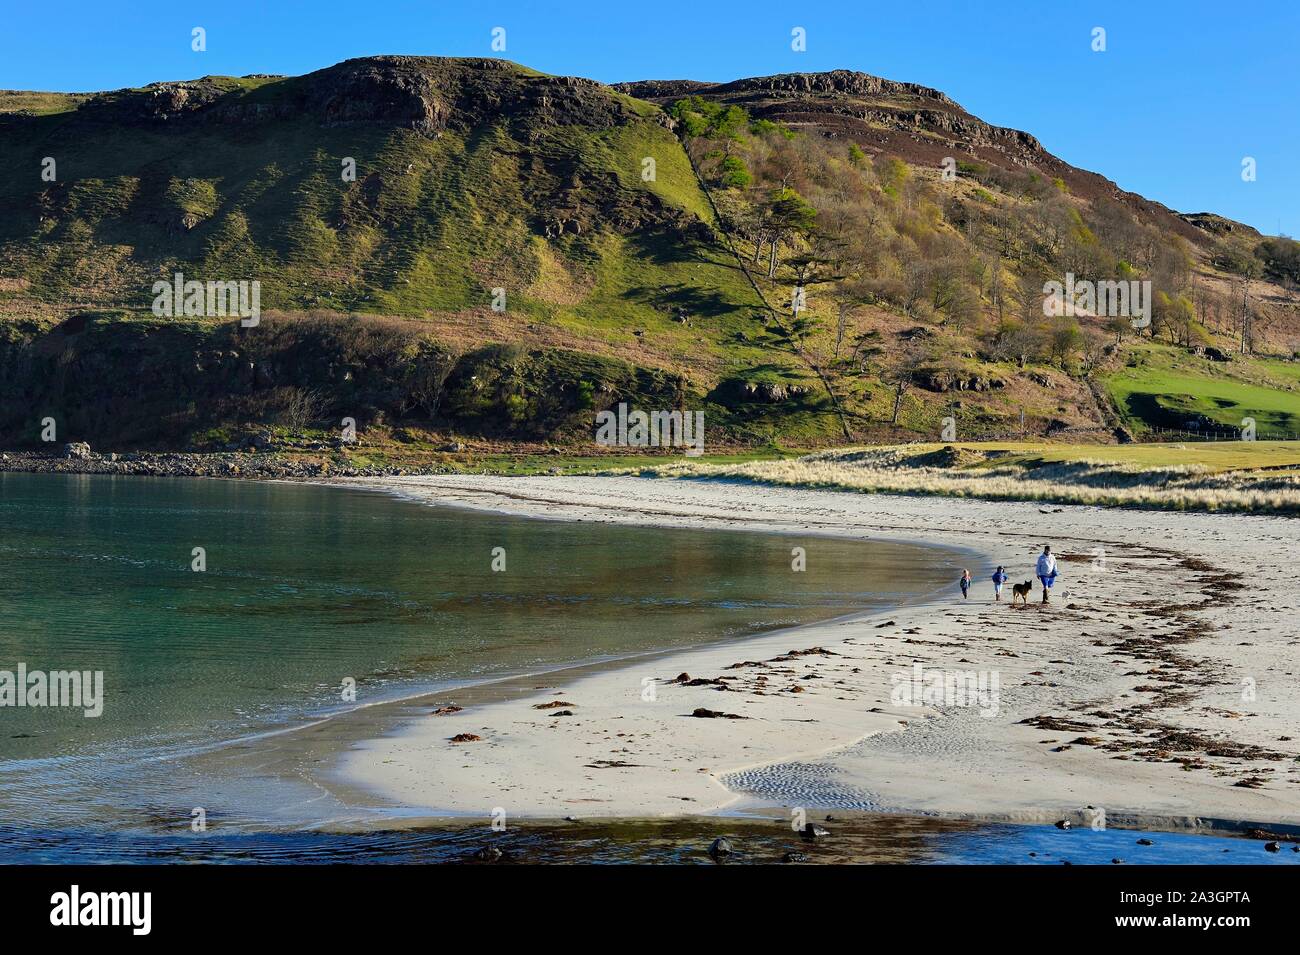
{"points": [[1161, 681]]}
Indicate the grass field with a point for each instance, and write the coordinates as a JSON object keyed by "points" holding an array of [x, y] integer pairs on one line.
{"points": [[1254, 477], [1161, 387], [1217, 456]]}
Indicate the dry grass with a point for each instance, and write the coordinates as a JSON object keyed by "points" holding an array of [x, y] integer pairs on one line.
{"points": [[902, 470]]}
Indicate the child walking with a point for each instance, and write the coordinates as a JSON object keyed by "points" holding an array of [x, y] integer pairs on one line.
{"points": [[965, 585], [999, 578]]}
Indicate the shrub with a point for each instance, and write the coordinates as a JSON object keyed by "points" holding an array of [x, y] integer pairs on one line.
{"points": [[732, 174]]}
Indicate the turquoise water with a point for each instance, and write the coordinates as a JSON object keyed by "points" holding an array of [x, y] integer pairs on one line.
{"points": [[308, 587]]}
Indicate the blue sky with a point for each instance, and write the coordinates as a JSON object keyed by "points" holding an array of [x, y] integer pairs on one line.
{"points": [[1183, 92]]}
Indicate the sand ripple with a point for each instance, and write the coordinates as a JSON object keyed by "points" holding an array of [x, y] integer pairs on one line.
{"points": [[812, 785]]}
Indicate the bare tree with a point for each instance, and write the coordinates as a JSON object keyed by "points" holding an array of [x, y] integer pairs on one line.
{"points": [[300, 407]]}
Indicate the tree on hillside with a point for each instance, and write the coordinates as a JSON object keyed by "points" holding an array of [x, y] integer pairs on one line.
{"points": [[892, 174], [1281, 259], [1016, 341], [786, 216], [902, 375], [1028, 294], [732, 173], [700, 117], [1173, 315], [1065, 339], [1119, 326], [1092, 349], [1238, 261]]}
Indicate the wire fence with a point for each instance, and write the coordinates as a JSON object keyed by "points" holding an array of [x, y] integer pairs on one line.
{"points": [[1085, 435], [1159, 435]]}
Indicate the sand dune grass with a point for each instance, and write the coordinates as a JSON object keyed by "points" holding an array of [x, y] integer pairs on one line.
{"points": [[968, 471]]}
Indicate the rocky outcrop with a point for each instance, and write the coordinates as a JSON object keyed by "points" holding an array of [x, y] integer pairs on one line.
{"points": [[845, 82], [943, 380], [772, 392], [424, 93], [1218, 226]]}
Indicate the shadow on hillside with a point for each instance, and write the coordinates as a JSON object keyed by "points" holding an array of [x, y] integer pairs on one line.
{"points": [[681, 300]]}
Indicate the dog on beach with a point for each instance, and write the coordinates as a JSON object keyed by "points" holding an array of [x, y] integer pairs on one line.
{"points": [[1021, 591]]}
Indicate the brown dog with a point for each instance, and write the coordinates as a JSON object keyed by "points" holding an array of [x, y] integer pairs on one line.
{"points": [[1021, 591]]}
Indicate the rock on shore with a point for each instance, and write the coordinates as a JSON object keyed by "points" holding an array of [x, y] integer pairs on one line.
{"points": [[78, 458]]}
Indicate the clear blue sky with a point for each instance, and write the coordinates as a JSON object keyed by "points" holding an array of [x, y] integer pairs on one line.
{"points": [[1183, 92]]}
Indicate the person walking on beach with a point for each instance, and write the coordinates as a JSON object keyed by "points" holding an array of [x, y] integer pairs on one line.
{"points": [[999, 578], [1046, 571], [965, 585]]}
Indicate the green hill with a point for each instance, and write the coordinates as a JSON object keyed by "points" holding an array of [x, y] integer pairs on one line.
{"points": [[620, 231]]}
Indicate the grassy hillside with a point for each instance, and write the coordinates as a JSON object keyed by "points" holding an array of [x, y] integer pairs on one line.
{"points": [[470, 176], [922, 302], [434, 220], [1159, 386], [920, 240]]}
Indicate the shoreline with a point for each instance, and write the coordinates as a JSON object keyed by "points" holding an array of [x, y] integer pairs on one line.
{"points": [[291, 752], [416, 767], [1216, 765]]}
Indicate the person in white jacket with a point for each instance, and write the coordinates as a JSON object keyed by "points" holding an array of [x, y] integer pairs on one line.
{"points": [[1046, 571]]}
